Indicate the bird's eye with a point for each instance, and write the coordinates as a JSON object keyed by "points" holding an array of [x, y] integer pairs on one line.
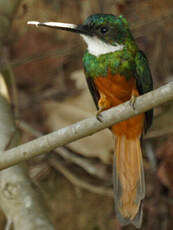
{"points": [[104, 29]]}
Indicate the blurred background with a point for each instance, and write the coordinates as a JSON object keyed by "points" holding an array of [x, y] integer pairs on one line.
{"points": [[43, 71]]}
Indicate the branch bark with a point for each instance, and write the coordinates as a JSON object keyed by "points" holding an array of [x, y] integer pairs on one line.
{"points": [[19, 201], [94, 169], [86, 127]]}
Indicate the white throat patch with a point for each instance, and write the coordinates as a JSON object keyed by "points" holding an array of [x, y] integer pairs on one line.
{"points": [[97, 47]]}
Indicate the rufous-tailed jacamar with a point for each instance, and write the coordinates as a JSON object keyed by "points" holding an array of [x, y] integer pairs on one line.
{"points": [[117, 71]]}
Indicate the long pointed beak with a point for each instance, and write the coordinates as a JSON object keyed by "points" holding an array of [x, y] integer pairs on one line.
{"points": [[62, 26]]}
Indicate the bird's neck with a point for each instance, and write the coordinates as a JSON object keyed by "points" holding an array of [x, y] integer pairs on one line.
{"points": [[98, 47], [117, 62]]}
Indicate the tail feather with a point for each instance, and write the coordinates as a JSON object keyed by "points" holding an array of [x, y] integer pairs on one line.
{"points": [[129, 183]]}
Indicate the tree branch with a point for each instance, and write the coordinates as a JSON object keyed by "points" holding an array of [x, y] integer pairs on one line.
{"points": [[21, 204], [79, 182], [95, 169], [86, 127]]}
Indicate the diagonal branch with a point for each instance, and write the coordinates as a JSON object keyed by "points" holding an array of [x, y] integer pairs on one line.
{"points": [[86, 127]]}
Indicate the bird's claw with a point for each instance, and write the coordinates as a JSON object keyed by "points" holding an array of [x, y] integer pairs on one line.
{"points": [[132, 101], [98, 115]]}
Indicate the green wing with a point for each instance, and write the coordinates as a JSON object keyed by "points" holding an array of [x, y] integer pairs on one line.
{"points": [[94, 92], [144, 82]]}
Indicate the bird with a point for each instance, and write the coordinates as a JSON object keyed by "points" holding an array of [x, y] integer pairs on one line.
{"points": [[117, 71]]}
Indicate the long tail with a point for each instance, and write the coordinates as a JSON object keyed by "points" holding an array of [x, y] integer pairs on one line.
{"points": [[129, 184]]}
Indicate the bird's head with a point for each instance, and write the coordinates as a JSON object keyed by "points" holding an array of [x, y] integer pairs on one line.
{"points": [[103, 33]]}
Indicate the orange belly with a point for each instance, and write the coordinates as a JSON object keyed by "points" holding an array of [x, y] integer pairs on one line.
{"points": [[115, 90]]}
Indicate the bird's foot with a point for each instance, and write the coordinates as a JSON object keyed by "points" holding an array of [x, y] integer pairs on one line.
{"points": [[132, 101], [98, 114]]}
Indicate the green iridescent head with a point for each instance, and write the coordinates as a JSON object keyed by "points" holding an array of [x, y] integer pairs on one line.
{"points": [[109, 28]]}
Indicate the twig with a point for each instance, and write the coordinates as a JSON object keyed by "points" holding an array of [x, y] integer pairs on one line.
{"points": [[37, 57], [13, 86], [86, 127], [28, 128], [98, 170], [78, 182]]}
